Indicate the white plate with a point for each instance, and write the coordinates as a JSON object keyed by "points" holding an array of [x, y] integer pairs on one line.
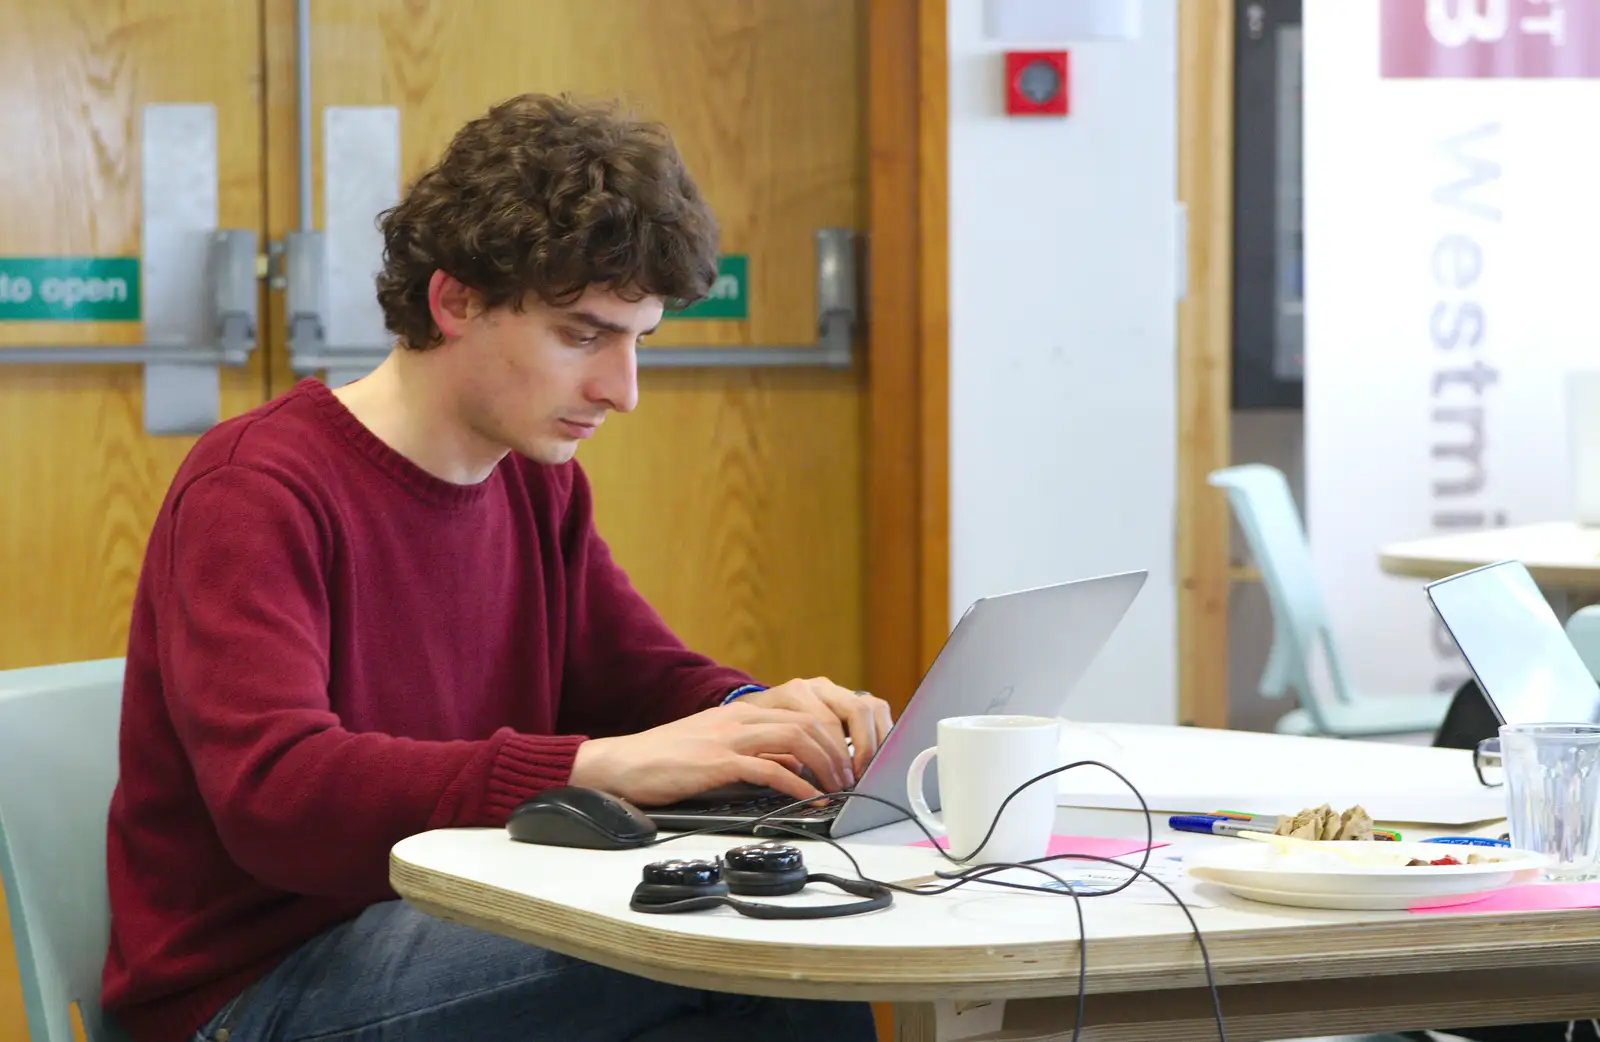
{"points": [[1356, 901], [1359, 875]]}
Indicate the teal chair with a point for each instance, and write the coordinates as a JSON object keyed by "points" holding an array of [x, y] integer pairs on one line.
{"points": [[58, 765], [1301, 639], [1583, 629]]}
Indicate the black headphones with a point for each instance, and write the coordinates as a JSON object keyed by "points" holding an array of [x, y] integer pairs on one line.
{"points": [[757, 870]]}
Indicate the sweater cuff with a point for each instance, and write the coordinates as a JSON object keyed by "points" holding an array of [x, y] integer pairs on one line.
{"points": [[527, 764]]}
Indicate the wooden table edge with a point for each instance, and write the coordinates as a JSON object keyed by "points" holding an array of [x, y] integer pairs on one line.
{"points": [[1399, 563], [1404, 560], [1300, 1009]]}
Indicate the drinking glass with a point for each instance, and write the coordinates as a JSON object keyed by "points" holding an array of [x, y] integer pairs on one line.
{"points": [[1552, 781]]}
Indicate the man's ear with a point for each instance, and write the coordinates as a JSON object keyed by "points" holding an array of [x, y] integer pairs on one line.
{"points": [[452, 304]]}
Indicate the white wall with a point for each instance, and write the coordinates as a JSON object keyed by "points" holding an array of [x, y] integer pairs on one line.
{"points": [[1063, 342]]}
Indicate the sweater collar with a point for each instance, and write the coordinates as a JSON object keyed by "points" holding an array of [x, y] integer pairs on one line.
{"points": [[401, 469]]}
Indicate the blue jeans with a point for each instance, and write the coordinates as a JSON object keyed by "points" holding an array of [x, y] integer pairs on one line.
{"points": [[394, 974]]}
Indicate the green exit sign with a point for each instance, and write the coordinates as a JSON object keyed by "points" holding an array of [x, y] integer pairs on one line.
{"points": [[730, 294], [69, 289]]}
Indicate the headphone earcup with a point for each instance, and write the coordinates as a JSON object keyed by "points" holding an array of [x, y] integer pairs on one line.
{"points": [[666, 893], [762, 869], [765, 884], [679, 886], [765, 870], [645, 900]]}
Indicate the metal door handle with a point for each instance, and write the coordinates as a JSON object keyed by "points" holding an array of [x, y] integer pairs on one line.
{"points": [[837, 316]]}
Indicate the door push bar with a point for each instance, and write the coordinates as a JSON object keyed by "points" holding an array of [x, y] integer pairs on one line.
{"points": [[178, 372], [838, 313]]}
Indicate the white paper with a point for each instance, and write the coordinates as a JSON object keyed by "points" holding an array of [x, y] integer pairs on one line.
{"points": [[1195, 770], [1090, 878]]}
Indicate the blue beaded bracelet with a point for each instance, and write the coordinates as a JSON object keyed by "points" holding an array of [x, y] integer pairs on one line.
{"points": [[742, 690]]}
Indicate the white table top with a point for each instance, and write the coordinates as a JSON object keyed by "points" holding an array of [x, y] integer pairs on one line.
{"points": [[974, 942], [1559, 554]]}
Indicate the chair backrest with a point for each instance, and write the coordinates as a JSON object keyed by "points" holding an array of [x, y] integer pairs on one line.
{"points": [[1265, 510], [1583, 629], [58, 766]]}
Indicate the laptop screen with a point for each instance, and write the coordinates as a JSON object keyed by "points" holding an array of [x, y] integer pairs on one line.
{"points": [[1515, 646]]}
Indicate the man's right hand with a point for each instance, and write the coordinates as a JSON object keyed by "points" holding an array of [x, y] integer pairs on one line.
{"points": [[721, 746]]}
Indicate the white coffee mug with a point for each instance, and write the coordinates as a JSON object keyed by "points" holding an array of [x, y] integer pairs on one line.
{"points": [[981, 760]]}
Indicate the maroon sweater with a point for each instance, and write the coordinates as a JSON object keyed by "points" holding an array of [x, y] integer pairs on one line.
{"points": [[331, 650]]}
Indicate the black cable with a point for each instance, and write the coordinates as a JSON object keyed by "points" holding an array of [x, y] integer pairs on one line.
{"points": [[1149, 827], [981, 872]]}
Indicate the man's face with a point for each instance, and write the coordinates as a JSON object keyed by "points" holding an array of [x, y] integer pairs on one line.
{"points": [[541, 380]]}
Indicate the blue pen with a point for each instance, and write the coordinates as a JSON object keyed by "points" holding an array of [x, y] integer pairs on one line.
{"points": [[1215, 826], [1469, 841]]}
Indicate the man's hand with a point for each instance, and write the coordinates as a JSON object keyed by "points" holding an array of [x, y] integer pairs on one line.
{"points": [[864, 718], [739, 742]]}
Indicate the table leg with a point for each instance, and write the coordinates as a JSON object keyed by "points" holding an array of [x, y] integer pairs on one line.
{"points": [[1565, 602], [1561, 603], [947, 1021]]}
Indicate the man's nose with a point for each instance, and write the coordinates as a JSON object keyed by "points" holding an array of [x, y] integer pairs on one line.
{"points": [[616, 382]]}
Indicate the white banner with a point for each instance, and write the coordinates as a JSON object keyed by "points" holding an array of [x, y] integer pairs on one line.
{"points": [[1452, 277]]}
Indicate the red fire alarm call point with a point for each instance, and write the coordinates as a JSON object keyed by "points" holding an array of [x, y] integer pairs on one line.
{"points": [[1036, 83]]}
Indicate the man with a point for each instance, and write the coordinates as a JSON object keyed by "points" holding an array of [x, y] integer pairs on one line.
{"points": [[370, 612]]}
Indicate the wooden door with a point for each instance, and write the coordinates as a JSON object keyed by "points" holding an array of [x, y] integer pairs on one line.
{"points": [[80, 480], [733, 497]]}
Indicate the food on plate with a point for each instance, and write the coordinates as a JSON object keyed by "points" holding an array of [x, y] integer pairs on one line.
{"points": [[1472, 859], [1302, 856], [1323, 823]]}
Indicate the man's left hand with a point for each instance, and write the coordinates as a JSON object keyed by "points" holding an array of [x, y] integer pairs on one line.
{"points": [[863, 717]]}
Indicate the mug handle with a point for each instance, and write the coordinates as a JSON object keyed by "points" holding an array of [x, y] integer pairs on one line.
{"points": [[919, 805]]}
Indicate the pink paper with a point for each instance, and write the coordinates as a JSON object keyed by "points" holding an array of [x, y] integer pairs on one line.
{"points": [[1533, 897], [1088, 845]]}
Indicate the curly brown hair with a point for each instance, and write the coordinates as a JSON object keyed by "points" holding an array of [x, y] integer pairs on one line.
{"points": [[547, 196]]}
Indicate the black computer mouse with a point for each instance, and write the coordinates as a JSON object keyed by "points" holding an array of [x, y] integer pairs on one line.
{"points": [[571, 816]]}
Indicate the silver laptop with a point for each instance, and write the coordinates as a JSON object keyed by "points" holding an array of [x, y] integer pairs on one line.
{"points": [[1016, 653], [1515, 646]]}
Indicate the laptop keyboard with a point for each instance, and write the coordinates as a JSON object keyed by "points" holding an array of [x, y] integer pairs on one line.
{"points": [[755, 808]]}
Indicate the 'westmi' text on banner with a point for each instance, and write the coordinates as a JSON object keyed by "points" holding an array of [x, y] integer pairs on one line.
{"points": [[1452, 280]]}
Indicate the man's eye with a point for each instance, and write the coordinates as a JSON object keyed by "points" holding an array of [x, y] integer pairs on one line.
{"points": [[582, 339]]}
